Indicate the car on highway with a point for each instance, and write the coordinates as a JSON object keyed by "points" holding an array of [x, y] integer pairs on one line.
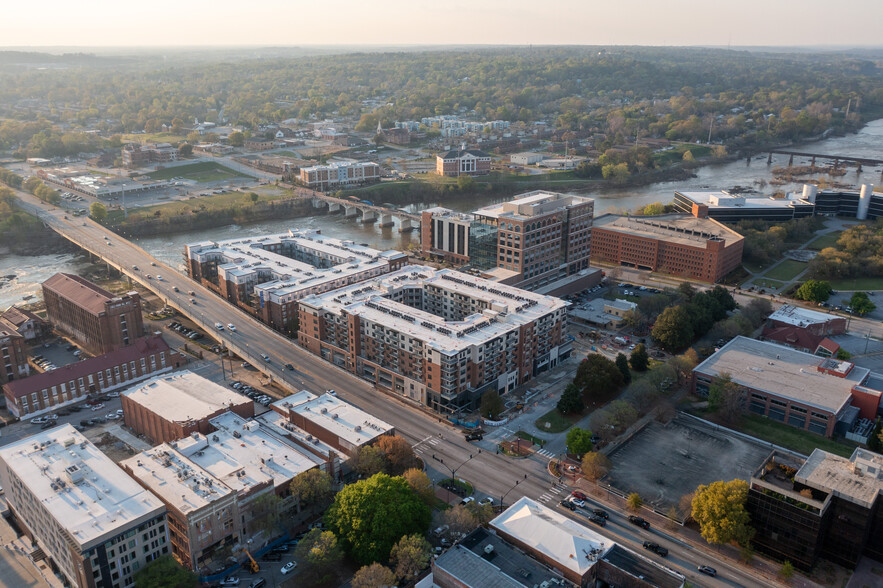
{"points": [[639, 521], [231, 326], [656, 548], [474, 436], [149, 277], [136, 268], [600, 512], [158, 278], [289, 567], [192, 301], [568, 504], [289, 367], [707, 570], [265, 357], [219, 326], [192, 293], [578, 502], [175, 288], [153, 263]]}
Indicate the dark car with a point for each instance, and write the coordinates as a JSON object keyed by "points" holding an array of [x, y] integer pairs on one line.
{"points": [[289, 367], [474, 436], [656, 548], [639, 521], [707, 570], [280, 549], [600, 512], [271, 557], [48, 425], [600, 521], [568, 505]]}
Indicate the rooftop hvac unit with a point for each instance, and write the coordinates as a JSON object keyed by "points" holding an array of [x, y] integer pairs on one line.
{"points": [[488, 548], [358, 428]]}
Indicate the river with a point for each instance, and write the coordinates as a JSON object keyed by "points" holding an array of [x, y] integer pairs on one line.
{"points": [[868, 142]]}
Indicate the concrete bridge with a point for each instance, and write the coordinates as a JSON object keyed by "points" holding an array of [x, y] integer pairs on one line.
{"points": [[859, 161], [368, 213]]}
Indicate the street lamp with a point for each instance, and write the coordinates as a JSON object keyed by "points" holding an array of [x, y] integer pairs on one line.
{"points": [[454, 470], [517, 482]]}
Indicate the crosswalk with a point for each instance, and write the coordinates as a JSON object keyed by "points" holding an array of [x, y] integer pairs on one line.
{"points": [[546, 453], [553, 493], [426, 444]]}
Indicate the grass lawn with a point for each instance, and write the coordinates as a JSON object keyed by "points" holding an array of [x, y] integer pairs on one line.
{"points": [[213, 202], [204, 171], [753, 268], [153, 138], [787, 270], [557, 421], [858, 284], [528, 437], [792, 438], [765, 283], [828, 240]]}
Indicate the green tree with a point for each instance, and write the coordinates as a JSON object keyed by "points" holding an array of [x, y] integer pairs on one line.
{"points": [[875, 441], [250, 197], [719, 509], [673, 329], [813, 291], [491, 405], [579, 441], [634, 502], [98, 211], [193, 137], [571, 401], [725, 398], [597, 376], [185, 149], [465, 183], [421, 484], [861, 304], [374, 575], [164, 572], [320, 554], [622, 364], [686, 290], [787, 570], [370, 460], [312, 487], [236, 139], [410, 556], [370, 516], [595, 465], [639, 359]]}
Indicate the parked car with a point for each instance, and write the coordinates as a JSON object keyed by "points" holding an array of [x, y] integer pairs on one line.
{"points": [[272, 557], [229, 581], [47, 425], [289, 567], [707, 570], [467, 500], [112, 416], [639, 521], [38, 421], [97, 407], [259, 583], [656, 548], [474, 436], [488, 501]]}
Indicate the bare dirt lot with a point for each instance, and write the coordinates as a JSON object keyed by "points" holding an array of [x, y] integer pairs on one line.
{"points": [[664, 462]]}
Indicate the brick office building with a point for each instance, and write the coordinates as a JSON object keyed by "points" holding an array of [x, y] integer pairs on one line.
{"points": [[463, 162], [97, 319], [72, 383], [677, 244], [14, 364], [339, 174], [172, 406]]}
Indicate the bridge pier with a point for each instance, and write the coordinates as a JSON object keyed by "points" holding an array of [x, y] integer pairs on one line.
{"points": [[319, 203], [408, 224], [791, 160], [769, 158], [350, 211], [334, 207], [369, 216], [858, 167], [386, 220]]}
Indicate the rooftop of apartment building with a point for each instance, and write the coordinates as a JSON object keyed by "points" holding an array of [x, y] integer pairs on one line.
{"points": [[505, 307], [78, 484], [785, 372], [531, 204], [800, 317], [175, 479], [349, 423], [858, 479], [243, 453], [184, 396], [80, 291], [683, 229], [279, 425], [441, 212]]}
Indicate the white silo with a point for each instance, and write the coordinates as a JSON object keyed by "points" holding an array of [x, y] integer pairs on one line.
{"points": [[809, 192], [864, 201]]}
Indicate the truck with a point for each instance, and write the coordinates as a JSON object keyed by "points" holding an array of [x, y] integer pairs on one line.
{"points": [[620, 341]]}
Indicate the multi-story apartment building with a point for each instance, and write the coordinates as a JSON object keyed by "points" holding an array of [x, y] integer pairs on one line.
{"points": [[824, 506], [13, 355], [95, 524], [172, 406], [678, 244], [339, 174], [269, 274], [99, 321], [533, 240], [463, 162], [72, 383], [135, 155], [438, 337]]}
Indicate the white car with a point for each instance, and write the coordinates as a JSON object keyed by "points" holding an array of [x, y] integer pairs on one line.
{"points": [[289, 567], [488, 501], [231, 326], [229, 581], [467, 500], [38, 421], [159, 277], [98, 406], [112, 416], [219, 326]]}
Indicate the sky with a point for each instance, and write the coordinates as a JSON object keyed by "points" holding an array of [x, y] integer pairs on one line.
{"points": [[102, 23]]}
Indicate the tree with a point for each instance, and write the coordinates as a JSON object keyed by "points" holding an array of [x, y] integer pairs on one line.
{"points": [[634, 502], [312, 487], [399, 453], [236, 139], [597, 376], [460, 520], [165, 572], [685, 506], [370, 516], [465, 183], [595, 465], [787, 570], [719, 508], [688, 155], [861, 304], [579, 441], [193, 137], [491, 405], [673, 329], [374, 576], [98, 211], [421, 484], [320, 554], [622, 364], [875, 441], [813, 291], [686, 290], [370, 460], [571, 401], [725, 398], [185, 149], [250, 198], [410, 555], [639, 359]]}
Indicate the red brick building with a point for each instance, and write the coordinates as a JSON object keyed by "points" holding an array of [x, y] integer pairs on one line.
{"points": [[29, 325], [677, 244], [73, 383], [98, 320], [14, 364], [463, 162]]}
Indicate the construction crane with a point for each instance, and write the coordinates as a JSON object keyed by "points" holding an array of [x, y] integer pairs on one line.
{"points": [[252, 564]]}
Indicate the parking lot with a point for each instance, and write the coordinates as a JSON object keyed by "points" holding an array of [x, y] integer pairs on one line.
{"points": [[662, 463]]}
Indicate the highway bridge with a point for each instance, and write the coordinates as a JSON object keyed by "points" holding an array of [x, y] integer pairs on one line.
{"points": [[859, 161], [367, 212]]}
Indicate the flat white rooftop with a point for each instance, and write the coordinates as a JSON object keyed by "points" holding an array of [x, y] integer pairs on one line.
{"points": [[281, 427], [176, 479], [683, 229], [721, 199], [531, 204], [184, 396], [340, 418], [78, 485], [243, 453], [557, 537], [800, 317], [785, 372], [858, 479]]}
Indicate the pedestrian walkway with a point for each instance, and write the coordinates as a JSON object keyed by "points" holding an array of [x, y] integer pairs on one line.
{"points": [[554, 493], [545, 453]]}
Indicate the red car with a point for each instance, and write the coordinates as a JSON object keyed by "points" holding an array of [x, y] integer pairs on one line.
{"points": [[579, 495]]}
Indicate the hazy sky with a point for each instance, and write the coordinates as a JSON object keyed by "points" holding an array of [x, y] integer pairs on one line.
{"points": [[386, 22]]}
